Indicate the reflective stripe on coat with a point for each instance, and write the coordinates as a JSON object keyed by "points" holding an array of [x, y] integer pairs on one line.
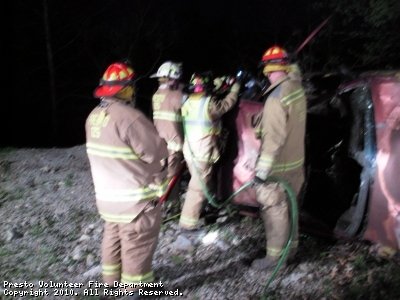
{"points": [[127, 159]]}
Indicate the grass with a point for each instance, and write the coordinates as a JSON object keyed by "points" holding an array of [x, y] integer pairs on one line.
{"points": [[74, 234], [5, 195], [92, 217], [178, 259], [18, 193], [246, 220], [49, 254], [359, 262], [227, 235], [37, 229], [13, 260], [19, 262], [6, 150], [163, 227], [5, 252], [213, 227], [328, 285], [272, 295], [360, 275], [68, 180], [5, 165]]}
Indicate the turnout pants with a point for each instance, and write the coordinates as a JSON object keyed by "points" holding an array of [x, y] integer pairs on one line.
{"points": [[174, 162], [128, 248], [276, 211], [195, 196]]}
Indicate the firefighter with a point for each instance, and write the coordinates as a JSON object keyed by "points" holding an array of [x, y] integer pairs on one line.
{"points": [[128, 162], [202, 114], [167, 118], [281, 127]]}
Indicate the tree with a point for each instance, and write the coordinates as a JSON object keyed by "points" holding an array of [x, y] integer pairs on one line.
{"points": [[360, 34], [50, 65], [61, 49]]}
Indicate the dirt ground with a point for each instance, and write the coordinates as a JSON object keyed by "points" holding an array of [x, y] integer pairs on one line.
{"points": [[50, 234]]}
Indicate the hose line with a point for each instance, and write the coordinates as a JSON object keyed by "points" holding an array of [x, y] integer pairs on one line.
{"points": [[285, 185], [294, 218]]}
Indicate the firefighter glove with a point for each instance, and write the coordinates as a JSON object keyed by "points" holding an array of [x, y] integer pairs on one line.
{"points": [[235, 88], [218, 82], [260, 177]]}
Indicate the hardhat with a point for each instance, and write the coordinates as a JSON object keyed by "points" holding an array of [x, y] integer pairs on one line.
{"points": [[275, 55], [200, 82], [115, 78], [169, 69]]}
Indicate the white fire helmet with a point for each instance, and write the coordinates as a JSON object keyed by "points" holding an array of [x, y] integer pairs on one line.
{"points": [[169, 69]]}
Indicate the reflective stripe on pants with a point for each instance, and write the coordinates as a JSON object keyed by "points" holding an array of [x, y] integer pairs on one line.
{"points": [[276, 211], [195, 196], [128, 248]]}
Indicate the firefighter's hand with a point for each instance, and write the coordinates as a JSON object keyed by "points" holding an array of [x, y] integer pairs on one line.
{"points": [[260, 177], [161, 176], [218, 82], [235, 87]]}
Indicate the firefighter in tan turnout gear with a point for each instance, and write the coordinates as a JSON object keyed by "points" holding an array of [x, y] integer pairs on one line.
{"points": [[128, 165], [167, 118], [282, 129], [201, 114]]}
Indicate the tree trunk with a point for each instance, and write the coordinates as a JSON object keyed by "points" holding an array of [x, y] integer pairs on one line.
{"points": [[50, 65]]}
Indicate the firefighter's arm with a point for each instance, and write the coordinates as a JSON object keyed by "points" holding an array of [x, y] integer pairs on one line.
{"points": [[219, 107], [178, 99], [274, 134], [256, 124], [149, 146]]}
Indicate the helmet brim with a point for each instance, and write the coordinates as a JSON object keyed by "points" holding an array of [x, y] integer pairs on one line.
{"points": [[107, 91], [154, 75], [273, 61]]}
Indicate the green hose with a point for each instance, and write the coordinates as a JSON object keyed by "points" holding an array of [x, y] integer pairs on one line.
{"points": [[293, 203], [209, 198], [287, 188]]}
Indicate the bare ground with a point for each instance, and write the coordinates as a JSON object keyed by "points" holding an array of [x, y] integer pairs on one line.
{"points": [[50, 232]]}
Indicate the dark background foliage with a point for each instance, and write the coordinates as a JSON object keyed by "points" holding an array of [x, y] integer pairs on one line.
{"points": [[60, 49]]}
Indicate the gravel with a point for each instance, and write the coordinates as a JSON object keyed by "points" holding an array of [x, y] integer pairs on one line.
{"points": [[50, 233]]}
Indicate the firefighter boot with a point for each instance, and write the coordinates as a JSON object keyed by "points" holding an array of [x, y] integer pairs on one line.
{"points": [[265, 264]]}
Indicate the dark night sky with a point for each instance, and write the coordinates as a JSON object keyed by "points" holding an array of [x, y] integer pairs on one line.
{"points": [[86, 36]]}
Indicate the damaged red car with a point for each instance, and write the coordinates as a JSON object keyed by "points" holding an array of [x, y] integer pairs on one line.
{"points": [[352, 167]]}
